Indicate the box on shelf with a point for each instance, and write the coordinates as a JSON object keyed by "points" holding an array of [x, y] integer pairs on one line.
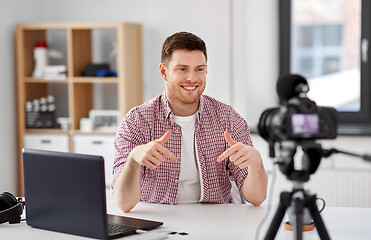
{"points": [[40, 113], [40, 120]]}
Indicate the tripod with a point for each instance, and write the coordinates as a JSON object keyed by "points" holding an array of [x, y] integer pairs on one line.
{"points": [[298, 199]]}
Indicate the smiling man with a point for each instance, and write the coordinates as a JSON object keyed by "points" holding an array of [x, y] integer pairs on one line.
{"points": [[183, 146]]}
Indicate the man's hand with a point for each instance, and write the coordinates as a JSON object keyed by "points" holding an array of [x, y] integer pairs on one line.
{"points": [[153, 153], [254, 187], [127, 186], [240, 154]]}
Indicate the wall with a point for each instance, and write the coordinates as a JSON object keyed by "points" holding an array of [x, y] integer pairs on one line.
{"points": [[261, 58], [11, 13]]}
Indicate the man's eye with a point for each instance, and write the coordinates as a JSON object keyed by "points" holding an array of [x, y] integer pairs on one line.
{"points": [[200, 69], [181, 69]]}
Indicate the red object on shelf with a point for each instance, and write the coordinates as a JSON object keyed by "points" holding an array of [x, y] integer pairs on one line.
{"points": [[41, 44]]}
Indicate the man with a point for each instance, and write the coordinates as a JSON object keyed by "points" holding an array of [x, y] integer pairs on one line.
{"points": [[185, 147]]}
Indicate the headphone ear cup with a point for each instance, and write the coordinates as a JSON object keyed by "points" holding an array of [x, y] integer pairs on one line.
{"points": [[7, 200], [10, 208]]}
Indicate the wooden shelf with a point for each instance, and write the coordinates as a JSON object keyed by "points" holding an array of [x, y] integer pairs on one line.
{"points": [[95, 79], [71, 132], [41, 80], [95, 132], [72, 25], [47, 131], [77, 95]]}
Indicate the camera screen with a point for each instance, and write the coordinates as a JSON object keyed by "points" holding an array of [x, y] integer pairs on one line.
{"points": [[305, 123]]}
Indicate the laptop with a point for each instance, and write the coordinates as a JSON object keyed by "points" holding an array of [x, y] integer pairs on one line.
{"points": [[65, 192]]}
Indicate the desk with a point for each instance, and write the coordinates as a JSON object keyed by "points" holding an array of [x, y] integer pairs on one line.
{"points": [[206, 221], [214, 221]]}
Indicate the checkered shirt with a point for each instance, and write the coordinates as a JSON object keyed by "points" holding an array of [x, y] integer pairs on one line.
{"points": [[153, 119]]}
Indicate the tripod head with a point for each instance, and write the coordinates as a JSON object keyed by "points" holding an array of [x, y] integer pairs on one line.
{"points": [[312, 155]]}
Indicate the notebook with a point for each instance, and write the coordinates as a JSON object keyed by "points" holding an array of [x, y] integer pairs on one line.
{"points": [[66, 192]]}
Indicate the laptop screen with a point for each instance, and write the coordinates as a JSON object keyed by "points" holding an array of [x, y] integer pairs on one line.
{"points": [[65, 192]]}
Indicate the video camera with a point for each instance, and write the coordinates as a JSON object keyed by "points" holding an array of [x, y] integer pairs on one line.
{"points": [[299, 118]]}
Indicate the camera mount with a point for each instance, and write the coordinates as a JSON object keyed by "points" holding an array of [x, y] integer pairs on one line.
{"points": [[285, 159]]}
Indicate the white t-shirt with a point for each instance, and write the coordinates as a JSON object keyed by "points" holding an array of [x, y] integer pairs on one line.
{"points": [[189, 190]]}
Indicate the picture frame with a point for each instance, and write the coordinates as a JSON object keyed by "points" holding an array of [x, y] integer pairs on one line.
{"points": [[105, 120]]}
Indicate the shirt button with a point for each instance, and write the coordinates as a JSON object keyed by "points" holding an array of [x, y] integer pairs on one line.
{"points": [[176, 181], [176, 131], [178, 156]]}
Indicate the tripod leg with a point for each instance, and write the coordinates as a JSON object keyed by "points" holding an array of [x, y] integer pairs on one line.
{"points": [[298, 221], [317, 219], [284, 203]]}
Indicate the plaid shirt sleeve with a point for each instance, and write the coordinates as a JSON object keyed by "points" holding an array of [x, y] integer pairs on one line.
{"points": [[128, 136], [239, 132]]}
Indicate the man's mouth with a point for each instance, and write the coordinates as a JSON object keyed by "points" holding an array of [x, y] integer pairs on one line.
{"points": [[190, 88]]}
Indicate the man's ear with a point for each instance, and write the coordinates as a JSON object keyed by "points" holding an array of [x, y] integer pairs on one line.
{"points": [[163, 71]]}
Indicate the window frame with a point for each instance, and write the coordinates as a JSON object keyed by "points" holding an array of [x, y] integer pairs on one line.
{"points": [[353, 123]]}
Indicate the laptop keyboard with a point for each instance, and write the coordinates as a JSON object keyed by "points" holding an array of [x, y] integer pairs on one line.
{"points": [[114, 228]]}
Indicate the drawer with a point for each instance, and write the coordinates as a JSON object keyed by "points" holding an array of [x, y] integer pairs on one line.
{"points": [[97, 145], [53, 142]]}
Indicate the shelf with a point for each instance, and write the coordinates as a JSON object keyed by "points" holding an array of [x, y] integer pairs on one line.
{"points": [[74, 79], [72, 25], [94, 132], [60, 131], [80, 44], [95, 79], [47, 131], [40, 80]]}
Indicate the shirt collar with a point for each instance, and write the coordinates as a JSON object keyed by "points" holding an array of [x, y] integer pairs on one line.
{"points": [[167, 110], [165, 105], [201, 107]]}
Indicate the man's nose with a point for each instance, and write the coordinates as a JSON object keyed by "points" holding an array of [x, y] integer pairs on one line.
{"points": [[192, 76]]}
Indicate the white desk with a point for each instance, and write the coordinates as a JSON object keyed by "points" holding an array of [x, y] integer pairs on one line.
{"points": [[209, 221], [205, 221]]}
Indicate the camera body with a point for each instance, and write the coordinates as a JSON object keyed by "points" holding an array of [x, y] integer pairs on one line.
{"points": [[299, 118]]}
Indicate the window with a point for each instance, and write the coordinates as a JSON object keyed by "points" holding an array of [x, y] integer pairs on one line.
{"points": [[319, 44], [327, 43]]}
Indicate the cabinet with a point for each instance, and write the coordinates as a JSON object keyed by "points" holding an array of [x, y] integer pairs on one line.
{"points": [[76, 95], [52, 142], [97, 145]]}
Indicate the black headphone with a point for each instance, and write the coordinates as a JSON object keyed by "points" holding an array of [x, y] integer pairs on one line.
{"points": [[11, 209]]}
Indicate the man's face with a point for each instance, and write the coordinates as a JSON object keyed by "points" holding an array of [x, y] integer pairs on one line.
{"points": [[185, 76]]}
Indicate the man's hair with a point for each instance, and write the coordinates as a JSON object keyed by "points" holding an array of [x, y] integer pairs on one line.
{"points": [[181, 41]]}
